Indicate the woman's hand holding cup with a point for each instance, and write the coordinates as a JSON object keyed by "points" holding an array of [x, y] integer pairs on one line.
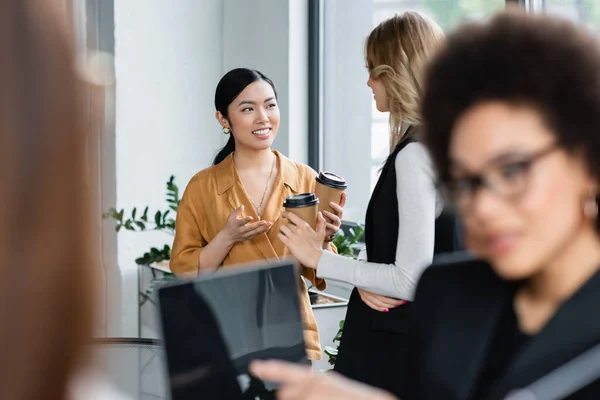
{"points": [[334, 221], [303, 242], [331, 191]]}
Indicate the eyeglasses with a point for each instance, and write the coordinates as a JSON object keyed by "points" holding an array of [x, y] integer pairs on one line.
{"points": [[508, 179]]}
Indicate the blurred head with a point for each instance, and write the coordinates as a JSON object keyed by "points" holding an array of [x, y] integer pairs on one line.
{"points": [[46, 309], [396, 52], [511, 116], [246, 103]]}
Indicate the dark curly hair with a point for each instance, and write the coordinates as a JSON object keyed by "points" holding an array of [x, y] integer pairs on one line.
{"points": [[547, 63]]}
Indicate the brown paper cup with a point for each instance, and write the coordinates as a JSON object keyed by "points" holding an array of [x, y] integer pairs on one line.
{"points": [[329, 188], [327, 195], [305, 206], [308, 214]]}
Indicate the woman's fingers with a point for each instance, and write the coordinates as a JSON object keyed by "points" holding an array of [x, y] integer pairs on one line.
{"points": [[387, 301], [379, 302], [252, 226], [280, 372], [286, 230], [235, 214], [244, 221], [249, 231], [343, 200], [284, 239], [332, 218], [391, 303], [339, 210], [258, 231], [294, 219], [331, 227], [373, 305]]}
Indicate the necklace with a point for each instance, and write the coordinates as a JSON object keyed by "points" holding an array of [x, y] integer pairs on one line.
{"points": [[262, 200]]}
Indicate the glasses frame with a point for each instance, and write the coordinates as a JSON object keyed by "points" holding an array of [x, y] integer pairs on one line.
{"points": [[479, 181]]}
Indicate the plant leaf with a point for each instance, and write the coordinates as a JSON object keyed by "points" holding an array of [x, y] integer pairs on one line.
{"points": [[144, 216], [141, 225], [119, 215], [133, 212]]}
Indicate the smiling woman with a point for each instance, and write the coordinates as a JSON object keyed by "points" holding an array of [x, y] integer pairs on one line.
{"points": [[230, 213], [253, 85]]}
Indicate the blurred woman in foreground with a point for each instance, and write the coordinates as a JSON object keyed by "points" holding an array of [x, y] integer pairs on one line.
{"points": [[45, 248], [512, 114]]}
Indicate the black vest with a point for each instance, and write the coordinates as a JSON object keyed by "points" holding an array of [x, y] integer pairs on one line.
{"points": [[375, 345], [382, 221]]}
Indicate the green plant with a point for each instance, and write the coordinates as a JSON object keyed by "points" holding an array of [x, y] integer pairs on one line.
{"points": [[163, 221], [333, 352], [349, 245]]}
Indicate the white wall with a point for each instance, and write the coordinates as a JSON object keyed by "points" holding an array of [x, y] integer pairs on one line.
{"points": [[168, 60], [271, 36]]}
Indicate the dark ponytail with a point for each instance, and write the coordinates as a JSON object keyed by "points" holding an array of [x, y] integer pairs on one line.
{"points": [[230, 86], [225, 151]]}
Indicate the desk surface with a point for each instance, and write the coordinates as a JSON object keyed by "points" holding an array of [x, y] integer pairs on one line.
{"points": [[337, 300], [162, 266]]}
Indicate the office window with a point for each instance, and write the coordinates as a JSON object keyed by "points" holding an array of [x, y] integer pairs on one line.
{"points": [[354, 135], [586, 12]]}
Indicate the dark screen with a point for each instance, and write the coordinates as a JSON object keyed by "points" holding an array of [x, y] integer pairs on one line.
{"points": [[214, 326]]}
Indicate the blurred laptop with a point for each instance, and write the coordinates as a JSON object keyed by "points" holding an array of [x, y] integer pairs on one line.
{"points": [[215, 325]]}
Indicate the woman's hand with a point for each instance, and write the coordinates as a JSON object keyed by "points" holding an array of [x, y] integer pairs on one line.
{"points": [[304, 243], [378, 302], [239, 229], [301, 383], [334, 221]]}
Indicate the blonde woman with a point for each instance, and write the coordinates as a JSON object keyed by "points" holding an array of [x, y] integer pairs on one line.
{"points": [[401, 218]]}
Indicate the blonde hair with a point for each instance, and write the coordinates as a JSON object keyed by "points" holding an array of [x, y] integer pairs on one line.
{"points": [[396, 52]]}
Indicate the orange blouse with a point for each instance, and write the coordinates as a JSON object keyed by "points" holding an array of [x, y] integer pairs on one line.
{"points": [[212, 195]]}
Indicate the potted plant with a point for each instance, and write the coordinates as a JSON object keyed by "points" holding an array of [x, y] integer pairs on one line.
{"points": [[163, 221], [333, 352]]}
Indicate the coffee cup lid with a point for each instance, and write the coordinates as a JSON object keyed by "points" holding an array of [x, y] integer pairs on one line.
{"points": [[301, 200], [332, 180]]}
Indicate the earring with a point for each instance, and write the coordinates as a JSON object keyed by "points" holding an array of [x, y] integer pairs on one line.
{"points": [[226, 131], [590, 207]]}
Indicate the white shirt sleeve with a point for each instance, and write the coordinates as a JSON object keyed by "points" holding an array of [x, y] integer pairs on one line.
{"points": [[362, 254], [418, 208]]}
